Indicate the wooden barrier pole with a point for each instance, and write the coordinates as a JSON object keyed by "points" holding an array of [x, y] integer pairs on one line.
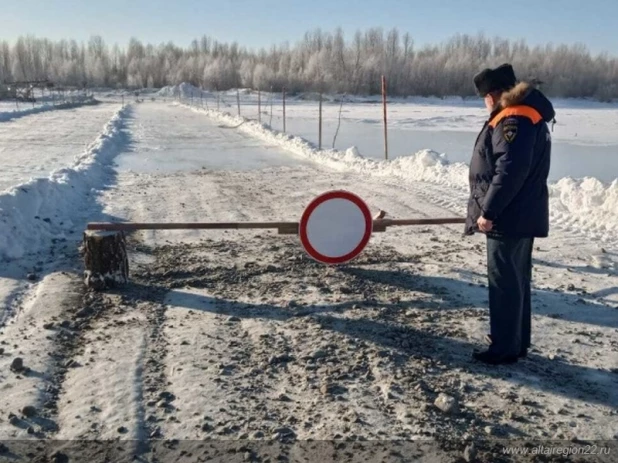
{"points": [[438, 221], [384, 107], [259, 106], [186, 226], [379, 225], [238, 100]]}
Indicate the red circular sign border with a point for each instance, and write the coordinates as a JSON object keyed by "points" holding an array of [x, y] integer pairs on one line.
{"points": [[342, 194]]}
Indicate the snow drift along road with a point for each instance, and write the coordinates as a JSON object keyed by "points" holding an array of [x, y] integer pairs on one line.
{"points": [[10, 115], [35, 212], [583, 205]]}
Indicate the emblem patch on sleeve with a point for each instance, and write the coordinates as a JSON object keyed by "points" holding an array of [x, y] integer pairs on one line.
{"points": [[510, 131]]}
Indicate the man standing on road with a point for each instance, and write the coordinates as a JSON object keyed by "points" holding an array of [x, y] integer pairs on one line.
{"points": [[509, 202]]}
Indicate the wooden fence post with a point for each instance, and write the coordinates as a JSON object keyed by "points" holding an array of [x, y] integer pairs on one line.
{"points": [[320, 123], [284, 109], [385, 126], [259, 106], [339, 120], [238, 101], [270, 122]]}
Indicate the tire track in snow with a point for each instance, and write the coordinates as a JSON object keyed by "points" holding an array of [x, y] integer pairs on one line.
{"points": [[101, 393], [113, 378], [41, 334]]}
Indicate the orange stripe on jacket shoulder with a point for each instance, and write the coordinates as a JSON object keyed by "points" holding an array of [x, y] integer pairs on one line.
{"points": [[525, 111]]}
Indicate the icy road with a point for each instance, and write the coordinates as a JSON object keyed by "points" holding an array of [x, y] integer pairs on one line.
{"points": [[166, 138]]}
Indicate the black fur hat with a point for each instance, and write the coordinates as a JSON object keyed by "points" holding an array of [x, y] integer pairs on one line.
{"points": [[492, 80]]}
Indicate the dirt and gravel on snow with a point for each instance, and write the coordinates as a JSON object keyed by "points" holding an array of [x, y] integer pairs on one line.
{"points": [[248, 342]]}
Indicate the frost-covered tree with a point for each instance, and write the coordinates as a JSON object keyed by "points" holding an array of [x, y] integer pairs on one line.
{"points": [[320, 61], [246, 73], [263, 76]]}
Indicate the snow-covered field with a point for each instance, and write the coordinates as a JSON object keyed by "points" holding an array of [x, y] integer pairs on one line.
{"points": [[585, 140], [238, 336]]}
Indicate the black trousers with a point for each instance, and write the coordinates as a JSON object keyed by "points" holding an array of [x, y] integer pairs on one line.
{"points": [[509, 271]]}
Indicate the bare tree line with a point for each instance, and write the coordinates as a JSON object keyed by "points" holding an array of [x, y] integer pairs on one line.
{"points": [[322, 61]]}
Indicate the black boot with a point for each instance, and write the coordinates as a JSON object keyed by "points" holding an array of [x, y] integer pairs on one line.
{"points": [[492, 359], [522, 354]]}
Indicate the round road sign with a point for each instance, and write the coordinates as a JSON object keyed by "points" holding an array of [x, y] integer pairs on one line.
{"points": [[335, 227]]}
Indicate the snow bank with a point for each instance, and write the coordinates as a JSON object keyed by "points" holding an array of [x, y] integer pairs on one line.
{"points": [[35, 212], [9, 115], [183, 90], [584, 205]]}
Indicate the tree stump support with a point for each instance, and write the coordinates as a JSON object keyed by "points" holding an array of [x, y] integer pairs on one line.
{"points": [[105, 259]]}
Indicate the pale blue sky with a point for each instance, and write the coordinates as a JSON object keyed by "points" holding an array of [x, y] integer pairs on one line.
{"points": [[257, 23]]}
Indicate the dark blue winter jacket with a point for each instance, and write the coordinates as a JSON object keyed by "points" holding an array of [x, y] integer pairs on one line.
{"points": [[510, 166]]}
